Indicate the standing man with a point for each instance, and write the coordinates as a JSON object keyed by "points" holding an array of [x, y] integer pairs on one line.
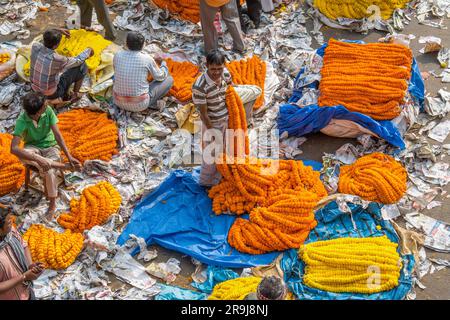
{"points": [[230, 15], [254, 9], [86, 7]]}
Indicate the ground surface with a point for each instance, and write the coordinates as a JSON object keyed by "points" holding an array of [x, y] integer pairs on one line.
{"points": [[438, 283]]}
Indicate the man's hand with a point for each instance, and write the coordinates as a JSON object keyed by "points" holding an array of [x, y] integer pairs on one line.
{"points": [[76, 165], [30, 275], [44, 164], [158, 60], [37, 268], [91, 53], [65, 32]]}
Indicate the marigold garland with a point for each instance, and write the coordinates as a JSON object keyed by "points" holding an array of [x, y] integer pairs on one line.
{"points": [[93, 208], [12, 171], [249, 71], [237, 121], [89, 135], [368, 78], [184, 75], [4, 57], [358, 9], [376, 177], [55, 250], [235, 289], [351, 265]]}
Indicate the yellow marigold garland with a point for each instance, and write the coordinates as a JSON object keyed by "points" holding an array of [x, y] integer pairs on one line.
{"points": [[89, 135], [235, 289], [348, 265], [249, 71], [376, 177], [12, 171], [368, 78], [93, 208], [4, 57], [184, 75], [55, 250], [357, 9]]}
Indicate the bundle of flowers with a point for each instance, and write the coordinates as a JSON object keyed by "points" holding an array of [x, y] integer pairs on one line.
{"points": [[237, 121], [371, 79], [4, 57], [89, 135], [184, 75], [12, 171], [235, 289], [55, 250], [249, 71], [358, 9], [376, 177], [360, 265], [93, 208]]}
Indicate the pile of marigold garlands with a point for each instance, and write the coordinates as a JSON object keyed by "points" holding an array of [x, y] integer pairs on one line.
{"points": [[371, 79], [89, 135], [249, 71], [358, 9], [12, 171], [376, 177], [235, 289], [55, 250], [93, 208], [184, 75], [360, 265]]}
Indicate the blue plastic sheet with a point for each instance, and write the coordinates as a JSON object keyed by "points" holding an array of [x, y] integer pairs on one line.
{"points": [[176, 293], [178, 216], [215, 275], [301, 121], [332, 224]]}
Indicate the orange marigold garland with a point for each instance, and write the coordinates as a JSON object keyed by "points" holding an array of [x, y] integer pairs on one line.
{"points": [[55, 250], [368, 78], [12, 171], [249, 71], [184, 75], [93, 208], [376, 177], [89, 135], [237, 121]]}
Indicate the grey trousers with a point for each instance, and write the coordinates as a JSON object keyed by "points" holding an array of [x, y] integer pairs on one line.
{"points": [[158, 89], [230, 16], [86, 7]]}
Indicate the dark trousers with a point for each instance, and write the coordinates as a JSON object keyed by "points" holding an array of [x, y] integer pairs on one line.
{"points": [[69, 77], [254, 10], [86, 7]]}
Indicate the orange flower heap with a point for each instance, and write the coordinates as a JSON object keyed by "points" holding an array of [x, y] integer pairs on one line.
{"points": [[93, 208], [249, 71], [375, 177], [88, 134], [55, 250], [184, 75], [12, 172], [368, 78]]}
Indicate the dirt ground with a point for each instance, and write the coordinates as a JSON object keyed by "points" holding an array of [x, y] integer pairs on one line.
{"points": [[438, 283]]}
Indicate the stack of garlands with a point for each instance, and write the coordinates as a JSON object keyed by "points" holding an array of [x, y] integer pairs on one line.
{"points": [[4, 57], [249, 71], [371, 79], [89, 135], [376, 177], [184, 75], [360, 265], [358, 9], [12, 171], [235, 289], [55, 250], [93, 208]]}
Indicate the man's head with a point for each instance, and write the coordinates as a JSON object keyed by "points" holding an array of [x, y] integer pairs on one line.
{"points": [[271, 288], [34, 104], [215, 61], [52, 38], [5, 221], [135, 41]]}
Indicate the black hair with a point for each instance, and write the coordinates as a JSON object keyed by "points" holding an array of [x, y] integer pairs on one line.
{"points": [[4, 212], [32, 102], [272, 288], [215, 57], [52, 38], [135, 41]]}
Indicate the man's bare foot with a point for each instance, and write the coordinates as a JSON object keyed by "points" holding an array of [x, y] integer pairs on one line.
{"points": [[50, 213], [75, 97]]}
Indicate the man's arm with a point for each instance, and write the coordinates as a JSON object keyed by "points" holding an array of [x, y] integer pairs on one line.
{"points": [[78, 60], [204, 115], [24, 154], [158, 73], [60, 140]]}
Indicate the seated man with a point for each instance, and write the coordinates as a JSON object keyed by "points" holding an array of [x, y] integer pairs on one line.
{"points": [[132, 68], [208, 95], [51, 73], [270, 288], [38, 129]]}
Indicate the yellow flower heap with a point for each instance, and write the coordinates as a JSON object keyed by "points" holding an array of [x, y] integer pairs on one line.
{"points": [[55, 250], [376, 177], [359, 265], [12, 171], [93, 208], [89, 135], [235, 289], [358, 9]]}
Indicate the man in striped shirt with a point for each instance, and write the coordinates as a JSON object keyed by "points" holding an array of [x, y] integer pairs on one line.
{"points": [[208, 95], [51, 73]]}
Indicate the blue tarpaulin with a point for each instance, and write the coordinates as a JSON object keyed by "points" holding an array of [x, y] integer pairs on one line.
{"points": [[301, 121], [332, 224]]}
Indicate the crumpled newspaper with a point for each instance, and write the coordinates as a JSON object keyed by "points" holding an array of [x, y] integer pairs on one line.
{"points": [[437, 232]]}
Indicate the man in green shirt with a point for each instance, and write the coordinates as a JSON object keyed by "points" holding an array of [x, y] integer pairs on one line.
{"points": [[37, 127]]}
